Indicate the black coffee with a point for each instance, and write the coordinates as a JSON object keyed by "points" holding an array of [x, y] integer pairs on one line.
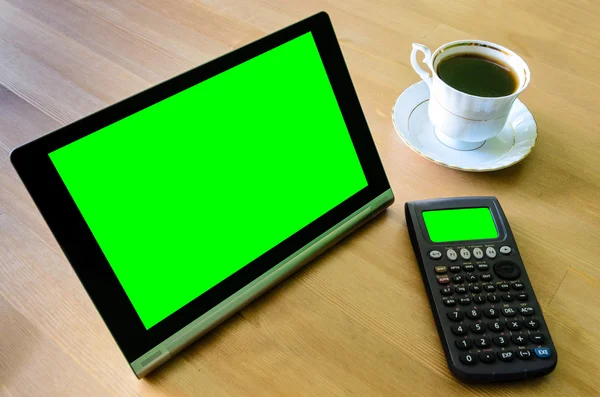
{"points": [[477, 75]]}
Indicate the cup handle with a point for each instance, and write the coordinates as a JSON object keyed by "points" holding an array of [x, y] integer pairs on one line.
{"points": [[424, 74]]}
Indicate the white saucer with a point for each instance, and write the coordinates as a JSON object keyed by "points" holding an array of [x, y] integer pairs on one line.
{"points": [[511, 145]]}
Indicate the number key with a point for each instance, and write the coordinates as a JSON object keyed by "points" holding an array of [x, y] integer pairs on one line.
{"points": [[468, 359], [483, 342], [491, 313], [478, 328], [464, 344], [459, 329], [496, 326], [456, 315], [500, 340], [473, 314]]}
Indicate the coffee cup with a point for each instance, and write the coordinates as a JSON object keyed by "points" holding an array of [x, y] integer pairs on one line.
{"points": [[472, 86]]}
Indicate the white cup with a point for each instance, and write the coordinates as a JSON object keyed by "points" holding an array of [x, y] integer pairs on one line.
{"points": [[463, 121]]}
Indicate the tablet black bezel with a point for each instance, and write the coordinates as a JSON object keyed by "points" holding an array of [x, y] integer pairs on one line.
{"points": [[83, 252]]}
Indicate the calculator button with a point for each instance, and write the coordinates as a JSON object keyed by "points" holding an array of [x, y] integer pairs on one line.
{"points": [[507, 270], [537, 338], [459, 329], [446, 291], [478, 299], [464, 344], [486, 277], [458, 278], [508, 297], [478, 328], [491, 313], [472, 278], [468, 268], [503, 287], [506, 356], [487, 357], [526, 311], [522, 296], [518, 286], [441, 269], [449, 302], [514, 325], [435, 254], [451, 255], [543, 352], [443, 280], [509, 312], [500, 340], [523, 354], [505, 249], [483, 266], [468, 359], [477, 253], [490, 252], [519, 339], [473, 314], [493, 298], [496, 326], [459, 289], [489, 287], [456, 316], [532, 323], [483, 342], [465, 300], [465, 254], [455, 268], [475, 288]]}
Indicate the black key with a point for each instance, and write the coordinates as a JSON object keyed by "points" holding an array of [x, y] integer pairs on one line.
{"points": [[468, 268], [478, 299], [446, 291], [483, 342], [519, 339], [500, 340], [509, 311], [458, 278], [514, 325], [471, 278], [465, 300], [473, 314], [460, 289], [522, 296], [537, 338], [455, 268], [456, 315], [493, 298], [489, 287], [449, 302], [506, 356], [504, 287], [487, 357], [491, 313], [483, 266], [459, 329], [468, 359], [507, 270], [485, 277], [478, 328], [475, 288], [508, 297], [518, 286], [523, 354], [532, 323], [526, 311], [464, 344], [496, 326]]}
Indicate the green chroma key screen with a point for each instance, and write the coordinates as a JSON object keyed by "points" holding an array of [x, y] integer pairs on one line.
{"points": [[460, 224], [186, 192]]}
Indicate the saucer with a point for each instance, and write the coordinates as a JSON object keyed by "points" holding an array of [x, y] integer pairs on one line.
{"points": [[511, 145]]}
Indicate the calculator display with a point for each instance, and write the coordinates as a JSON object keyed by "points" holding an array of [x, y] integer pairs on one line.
{"points": [[460, 224]]}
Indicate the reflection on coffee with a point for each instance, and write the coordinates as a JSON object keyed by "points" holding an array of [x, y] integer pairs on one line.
{"points": [[478, 75]]}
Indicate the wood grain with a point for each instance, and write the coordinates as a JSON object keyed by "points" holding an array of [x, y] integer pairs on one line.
{"points": [[356, 321]]}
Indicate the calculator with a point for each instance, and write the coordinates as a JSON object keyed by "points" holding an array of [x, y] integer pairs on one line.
{"points": [[488, 318]]}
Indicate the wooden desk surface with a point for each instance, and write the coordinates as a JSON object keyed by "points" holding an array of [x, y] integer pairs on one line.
{"points": [[357, 320]]}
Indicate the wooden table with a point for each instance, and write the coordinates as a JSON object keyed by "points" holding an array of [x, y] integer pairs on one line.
{"points": [[357, 320]]}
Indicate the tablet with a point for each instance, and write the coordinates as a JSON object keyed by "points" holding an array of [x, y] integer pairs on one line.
{"points": [[181, 204]]}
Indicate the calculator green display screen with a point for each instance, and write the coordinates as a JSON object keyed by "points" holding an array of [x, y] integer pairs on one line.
{"points": [[460, 224]]}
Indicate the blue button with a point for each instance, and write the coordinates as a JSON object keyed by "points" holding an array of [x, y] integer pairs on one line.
{"points": [[543, 352]]}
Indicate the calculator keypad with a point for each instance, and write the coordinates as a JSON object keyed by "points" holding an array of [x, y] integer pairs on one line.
{"points": [[487, 304]]}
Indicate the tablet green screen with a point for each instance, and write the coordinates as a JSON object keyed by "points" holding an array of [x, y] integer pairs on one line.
{"points": [[186, 192], [460, 224]]}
